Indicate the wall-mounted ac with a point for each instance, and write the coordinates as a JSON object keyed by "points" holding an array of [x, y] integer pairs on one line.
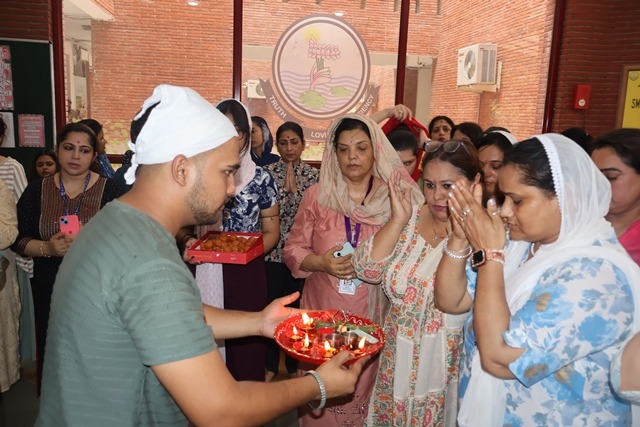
{"points": [[254, 90], [478, 65]]}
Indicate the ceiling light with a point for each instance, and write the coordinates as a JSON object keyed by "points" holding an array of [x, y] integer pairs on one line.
{"points": [[193, 2], [339, 14]]}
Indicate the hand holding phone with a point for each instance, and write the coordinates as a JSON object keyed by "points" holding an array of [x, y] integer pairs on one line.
{"points": [[347, 286], [347, 249], [69, 224]]}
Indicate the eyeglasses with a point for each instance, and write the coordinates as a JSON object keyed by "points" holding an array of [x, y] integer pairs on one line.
{"points": [[448, 146]]}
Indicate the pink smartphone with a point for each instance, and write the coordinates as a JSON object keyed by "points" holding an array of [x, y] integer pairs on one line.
{"points": [[69, 224]]}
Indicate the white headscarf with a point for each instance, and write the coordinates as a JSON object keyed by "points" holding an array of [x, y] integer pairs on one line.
{"points": [[583, 195], [183, 122], [334, 193]]}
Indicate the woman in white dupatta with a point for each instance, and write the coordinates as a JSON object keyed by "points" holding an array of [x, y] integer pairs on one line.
{"points": [[553, 308]]}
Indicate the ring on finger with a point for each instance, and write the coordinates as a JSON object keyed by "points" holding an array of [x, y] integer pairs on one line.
{"points": [[466, 212]]}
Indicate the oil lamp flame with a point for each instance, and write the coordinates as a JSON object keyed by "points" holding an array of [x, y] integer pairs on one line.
{"points": [[327, 346], [306, 320], [306, 340], [361, 343], [295, 330]]}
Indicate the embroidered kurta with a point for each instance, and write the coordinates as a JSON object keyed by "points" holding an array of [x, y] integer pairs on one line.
{"points": [[9, 293], [417, 380]]}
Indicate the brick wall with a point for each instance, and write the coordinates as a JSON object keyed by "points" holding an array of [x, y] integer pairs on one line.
{"points": [[107, 5], [164, 41], [26, 19], [157, 42], [522, 31], [600, 37]]}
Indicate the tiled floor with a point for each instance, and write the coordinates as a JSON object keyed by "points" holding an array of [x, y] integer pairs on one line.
{"points": [[19, 405]]}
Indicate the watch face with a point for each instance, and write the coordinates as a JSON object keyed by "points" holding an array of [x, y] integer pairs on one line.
{"points": [[478, 258]]}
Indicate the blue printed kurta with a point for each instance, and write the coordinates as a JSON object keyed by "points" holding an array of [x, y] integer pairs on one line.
{"points": [[242, 213], [572, 326]]}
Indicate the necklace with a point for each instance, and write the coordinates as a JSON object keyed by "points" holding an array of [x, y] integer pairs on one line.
{"points": [[435, 235], [63, 194]]}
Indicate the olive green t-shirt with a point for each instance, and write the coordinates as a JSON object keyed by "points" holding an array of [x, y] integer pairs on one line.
{"points": [[123, 301]]}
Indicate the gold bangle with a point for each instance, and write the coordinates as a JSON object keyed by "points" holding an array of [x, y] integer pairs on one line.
{"points": [[42, 251]]}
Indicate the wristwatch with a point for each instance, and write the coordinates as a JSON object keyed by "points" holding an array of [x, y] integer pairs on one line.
{"points": [[480, 257]]}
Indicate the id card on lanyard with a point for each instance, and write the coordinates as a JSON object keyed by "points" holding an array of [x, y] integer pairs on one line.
{"points": [[348, 286]]}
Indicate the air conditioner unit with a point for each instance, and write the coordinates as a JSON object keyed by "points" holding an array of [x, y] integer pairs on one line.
{"points": [[254, 90], [477, 65]]}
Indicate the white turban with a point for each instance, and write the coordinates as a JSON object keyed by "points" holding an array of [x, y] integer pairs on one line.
{"points": [[183, 122]]}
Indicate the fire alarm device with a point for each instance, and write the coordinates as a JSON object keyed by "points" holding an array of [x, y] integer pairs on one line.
{"points": [[581, 95]]}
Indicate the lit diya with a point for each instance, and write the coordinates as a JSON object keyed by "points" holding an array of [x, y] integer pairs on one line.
{"points": [[360, 349], [317, 337], [328, 350], [294, 335], [308, 323], [332, 342], [303, 346], [355, 343]]}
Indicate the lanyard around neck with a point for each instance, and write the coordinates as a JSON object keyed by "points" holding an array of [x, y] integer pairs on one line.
{"points": [[63, 194], [353, 239]]}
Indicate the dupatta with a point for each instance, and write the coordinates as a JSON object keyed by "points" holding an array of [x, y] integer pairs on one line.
{"points": [[583, 195]]}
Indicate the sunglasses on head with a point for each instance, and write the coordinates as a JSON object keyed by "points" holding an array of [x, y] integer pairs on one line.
{"points": [[448, 146]]}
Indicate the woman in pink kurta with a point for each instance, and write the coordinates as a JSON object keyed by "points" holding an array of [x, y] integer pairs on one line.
{"points": [[348, 205], [617, 155]]}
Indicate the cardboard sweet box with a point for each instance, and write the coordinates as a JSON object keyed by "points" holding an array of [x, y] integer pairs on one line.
{"points": [[226, 247]]}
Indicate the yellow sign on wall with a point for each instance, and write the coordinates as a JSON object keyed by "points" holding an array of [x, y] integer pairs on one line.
{"points": [[631, 101]]}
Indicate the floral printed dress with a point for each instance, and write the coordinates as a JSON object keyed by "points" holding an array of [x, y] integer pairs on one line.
{"points": [[417, 379], [574, 323]]}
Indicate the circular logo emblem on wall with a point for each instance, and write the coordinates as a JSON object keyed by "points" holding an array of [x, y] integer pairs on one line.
{"points": [[321, 67]]}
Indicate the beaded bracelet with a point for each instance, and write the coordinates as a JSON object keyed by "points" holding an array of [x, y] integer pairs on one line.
{"points": [[453, 254], [323, 390], [42, 252]]}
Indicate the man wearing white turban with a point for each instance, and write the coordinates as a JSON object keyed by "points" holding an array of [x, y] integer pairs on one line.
{"points": [[130, 343]]}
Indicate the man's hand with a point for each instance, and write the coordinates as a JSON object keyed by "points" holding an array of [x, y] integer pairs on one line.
{"points": [[341, 380], [276, 312]]}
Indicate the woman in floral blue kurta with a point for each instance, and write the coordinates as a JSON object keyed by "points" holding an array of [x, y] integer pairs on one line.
{"points": [[569, 337], [552, 309]]}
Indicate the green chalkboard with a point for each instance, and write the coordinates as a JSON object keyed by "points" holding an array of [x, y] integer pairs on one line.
{"points": [[31, 70]]}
